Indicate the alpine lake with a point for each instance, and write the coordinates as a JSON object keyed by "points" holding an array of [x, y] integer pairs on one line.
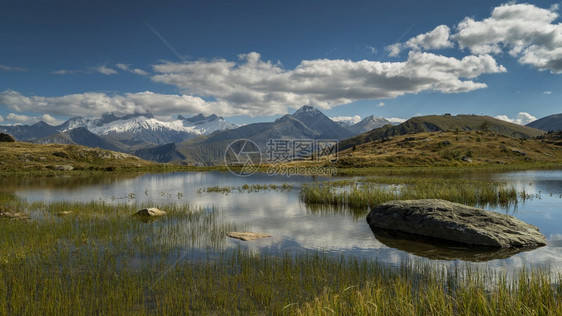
{"points": [[203, 206]]}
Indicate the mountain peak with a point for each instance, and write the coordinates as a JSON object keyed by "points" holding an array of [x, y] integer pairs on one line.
{"points": [[200, 118], [306, 110]]}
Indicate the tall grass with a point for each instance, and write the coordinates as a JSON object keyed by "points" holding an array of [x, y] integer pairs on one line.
{"points": [[359, 195], [101, 260]]}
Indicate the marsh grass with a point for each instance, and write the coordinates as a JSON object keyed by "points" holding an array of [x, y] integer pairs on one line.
{"points": [[100, 259], [359, 195], [247, 188]]}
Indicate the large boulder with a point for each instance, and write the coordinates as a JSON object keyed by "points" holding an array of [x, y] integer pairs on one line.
{"points": [[455, 222], [6, 138]]}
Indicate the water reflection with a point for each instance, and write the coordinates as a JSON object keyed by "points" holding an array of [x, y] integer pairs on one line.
{"points": [[294, 226], [441, 250]]}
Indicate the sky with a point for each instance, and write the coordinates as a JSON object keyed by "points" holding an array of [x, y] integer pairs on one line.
{"points": [[251, 61]]}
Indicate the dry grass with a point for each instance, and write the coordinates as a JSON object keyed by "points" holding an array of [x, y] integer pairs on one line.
{"points": [[450, 149], [28, 157]]}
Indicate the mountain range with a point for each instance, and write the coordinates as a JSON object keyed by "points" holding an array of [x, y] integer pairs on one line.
{"points": [[125, 133], [307, 123], [203, 140]]}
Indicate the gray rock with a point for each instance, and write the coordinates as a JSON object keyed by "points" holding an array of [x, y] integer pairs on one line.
{"points": [[455, 222], [64, 168], [149, 212], [245, 236]]}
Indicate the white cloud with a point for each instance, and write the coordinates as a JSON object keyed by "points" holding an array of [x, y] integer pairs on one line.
{"points": [[257, 87], [1, 118], [128, 68], [352, 119], [523, 118], [524, 30], [438, 38], [105, 70], [91, 104], [26, 119], [547, 92], [380, 103], [396, 119]]}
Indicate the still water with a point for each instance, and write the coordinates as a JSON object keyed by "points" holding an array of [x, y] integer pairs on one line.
{"points": [[297, 228]]}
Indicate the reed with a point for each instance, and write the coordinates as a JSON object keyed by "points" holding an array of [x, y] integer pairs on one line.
{"points": [[364, 194], [99, 259]]}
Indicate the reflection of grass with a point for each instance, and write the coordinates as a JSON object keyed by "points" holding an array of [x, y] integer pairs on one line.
{"points": [[372, 191], [99, 259], [247, 188]]}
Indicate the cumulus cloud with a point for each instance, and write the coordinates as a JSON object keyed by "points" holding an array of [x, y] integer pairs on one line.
{"points": [[96, 103], [128, 68], [1, 118], [257, 87], [351, 119], [522, 118], [524, 30], [438, 38], [547, 92]]}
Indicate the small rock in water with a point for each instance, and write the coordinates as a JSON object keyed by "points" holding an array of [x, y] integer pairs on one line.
{"points": [[64, 213], [152, 211], [245, 236]]}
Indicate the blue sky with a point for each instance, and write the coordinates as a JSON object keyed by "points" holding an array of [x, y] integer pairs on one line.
{"points": [[256, 60]]}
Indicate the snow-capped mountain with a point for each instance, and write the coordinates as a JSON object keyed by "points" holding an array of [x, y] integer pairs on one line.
{"points": [[128, 132], [137, 123], [367, 124]]}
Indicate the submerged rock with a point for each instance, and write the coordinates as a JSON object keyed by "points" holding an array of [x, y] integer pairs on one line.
{"points": [[150, 212], [455, 222], [247, 235], [439, 249]]}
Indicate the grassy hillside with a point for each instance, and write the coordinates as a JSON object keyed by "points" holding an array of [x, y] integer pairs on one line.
{"points": [[450, 148], [24, 157], [433, 123]]}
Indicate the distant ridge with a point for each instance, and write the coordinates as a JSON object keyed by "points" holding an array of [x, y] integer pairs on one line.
{"points": [[434, 123], [78, 136], [548, 123]]}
